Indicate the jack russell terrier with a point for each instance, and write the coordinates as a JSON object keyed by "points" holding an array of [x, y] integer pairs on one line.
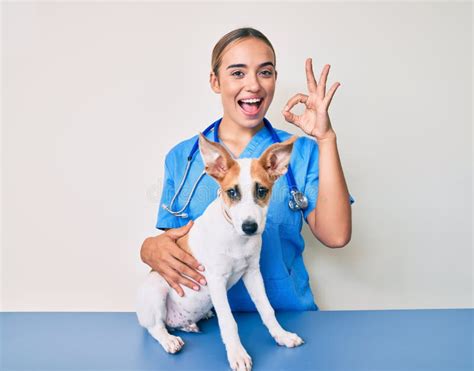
{"points": [[226, 239]]}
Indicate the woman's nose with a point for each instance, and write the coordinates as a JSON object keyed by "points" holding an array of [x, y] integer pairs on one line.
{"points": [[252, 83]]}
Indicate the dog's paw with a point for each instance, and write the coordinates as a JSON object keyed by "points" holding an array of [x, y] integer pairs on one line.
{"points": [[172, 344], [190, 328], [288, 339], [239, 359], [209, 314]]}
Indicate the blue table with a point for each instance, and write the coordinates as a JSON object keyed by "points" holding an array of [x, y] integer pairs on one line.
{"points": [[334, 340]]}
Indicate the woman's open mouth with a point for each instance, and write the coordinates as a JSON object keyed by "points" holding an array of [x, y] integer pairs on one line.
{"points": [[250, 107]]}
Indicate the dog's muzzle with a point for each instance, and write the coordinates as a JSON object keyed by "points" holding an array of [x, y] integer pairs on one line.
{"points": [[249, 227]]}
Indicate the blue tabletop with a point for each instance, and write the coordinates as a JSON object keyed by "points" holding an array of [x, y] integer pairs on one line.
{"points": [[334, 340]]}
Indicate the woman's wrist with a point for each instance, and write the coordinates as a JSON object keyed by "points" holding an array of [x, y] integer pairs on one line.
{"points": [[329, 137]]}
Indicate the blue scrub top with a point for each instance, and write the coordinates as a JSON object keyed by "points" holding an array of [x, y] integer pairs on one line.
{"points": [[281, 261]]}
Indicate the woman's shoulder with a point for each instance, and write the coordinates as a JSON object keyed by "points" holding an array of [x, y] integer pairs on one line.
{"points": [[183, 148]]}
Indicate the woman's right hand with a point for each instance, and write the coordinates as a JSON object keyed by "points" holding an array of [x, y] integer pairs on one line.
{"points": [[164, 256]]}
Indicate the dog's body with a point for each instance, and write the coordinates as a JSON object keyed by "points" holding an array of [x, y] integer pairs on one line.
{"points": [[226, 239]]}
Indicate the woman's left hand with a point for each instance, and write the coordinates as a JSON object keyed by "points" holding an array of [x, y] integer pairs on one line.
{"points": [[315, 119]]}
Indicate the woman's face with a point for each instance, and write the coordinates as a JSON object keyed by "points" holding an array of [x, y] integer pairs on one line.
{"points": [[247, 71]]}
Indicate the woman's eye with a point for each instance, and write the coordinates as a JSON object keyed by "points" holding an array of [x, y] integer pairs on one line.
{"points": [[267, 73], [237, 73]]}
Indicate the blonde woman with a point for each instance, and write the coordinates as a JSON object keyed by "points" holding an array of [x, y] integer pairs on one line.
{"points": [[243, 72]]}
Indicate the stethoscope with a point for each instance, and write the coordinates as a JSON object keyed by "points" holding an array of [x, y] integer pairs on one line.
{"points": [[298, 201]]}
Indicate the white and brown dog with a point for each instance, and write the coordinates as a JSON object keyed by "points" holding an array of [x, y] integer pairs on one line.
{"points": [[226, 239]]}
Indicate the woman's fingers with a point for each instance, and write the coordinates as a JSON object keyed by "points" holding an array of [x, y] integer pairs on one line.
{"points": [[289, 116], [313, 86], [328, 98], [182, 268], [323, 80], [175, 280], [311, 81], [165, 273], [178, 263], [295, 99], [189, 260]]}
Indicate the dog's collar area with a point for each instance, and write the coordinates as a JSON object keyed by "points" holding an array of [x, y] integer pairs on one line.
{"points": [[224, 211]]}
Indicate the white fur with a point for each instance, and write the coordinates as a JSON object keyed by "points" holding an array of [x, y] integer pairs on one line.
{"points": [[227, 254]]}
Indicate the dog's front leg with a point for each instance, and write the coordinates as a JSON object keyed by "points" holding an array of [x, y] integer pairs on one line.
{"points": [[254, 283], [236, 353]]}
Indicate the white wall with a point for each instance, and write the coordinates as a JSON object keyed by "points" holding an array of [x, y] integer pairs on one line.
{"points": [[95, 94]]}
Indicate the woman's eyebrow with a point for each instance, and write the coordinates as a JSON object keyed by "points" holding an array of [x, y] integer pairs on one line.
{"points": [[244, 65]]}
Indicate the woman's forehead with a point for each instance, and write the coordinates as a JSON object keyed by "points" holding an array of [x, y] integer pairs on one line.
{"points": [[248, 51]]}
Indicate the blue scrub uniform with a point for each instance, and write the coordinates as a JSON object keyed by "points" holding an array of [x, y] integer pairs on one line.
{"points": [[281, 262]]}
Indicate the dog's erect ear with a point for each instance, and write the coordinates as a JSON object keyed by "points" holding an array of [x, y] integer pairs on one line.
{"points": [[276, 158], [217, 159]]}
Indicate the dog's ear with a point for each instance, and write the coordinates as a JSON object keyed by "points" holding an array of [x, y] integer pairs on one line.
{"points": [[276, 158], [217, 159]]}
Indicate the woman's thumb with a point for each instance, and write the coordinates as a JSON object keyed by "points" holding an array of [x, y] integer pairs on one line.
{"points": [[176, 233]]}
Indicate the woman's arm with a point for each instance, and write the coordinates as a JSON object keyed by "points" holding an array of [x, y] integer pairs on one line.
{"points": [[331, 220]]}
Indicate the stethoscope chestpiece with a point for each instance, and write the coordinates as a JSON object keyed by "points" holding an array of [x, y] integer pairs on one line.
{"points": [[298, 201]]}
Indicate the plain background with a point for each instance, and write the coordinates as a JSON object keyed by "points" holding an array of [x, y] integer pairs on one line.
{"points": [[95, 94]]}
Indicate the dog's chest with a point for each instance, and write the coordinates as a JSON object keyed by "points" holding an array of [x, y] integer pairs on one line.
{"points": [[194, 305]]}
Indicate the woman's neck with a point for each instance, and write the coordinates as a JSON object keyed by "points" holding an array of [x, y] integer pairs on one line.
{"points": [[232, 132]]}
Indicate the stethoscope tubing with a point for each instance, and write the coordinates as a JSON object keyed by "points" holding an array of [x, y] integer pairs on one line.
{"points": [[215, 126]]}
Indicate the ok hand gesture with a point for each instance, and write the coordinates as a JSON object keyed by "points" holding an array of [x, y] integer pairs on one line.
{"points": [[315, 119]]}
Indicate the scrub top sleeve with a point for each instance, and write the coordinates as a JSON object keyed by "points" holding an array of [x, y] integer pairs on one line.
{"points": [[165, 219], [311, 186]]}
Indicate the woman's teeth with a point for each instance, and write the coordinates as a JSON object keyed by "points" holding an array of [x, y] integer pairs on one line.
{"points": [[254, 100], [250, 106]]}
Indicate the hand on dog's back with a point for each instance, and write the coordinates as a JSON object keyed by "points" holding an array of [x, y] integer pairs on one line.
{"points": [[165, 256]]}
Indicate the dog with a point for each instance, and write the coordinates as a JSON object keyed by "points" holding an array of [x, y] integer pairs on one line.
{"points": [[226, 239]]}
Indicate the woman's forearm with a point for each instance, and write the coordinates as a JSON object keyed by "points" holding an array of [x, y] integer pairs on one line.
{"points": [[333, 223]]}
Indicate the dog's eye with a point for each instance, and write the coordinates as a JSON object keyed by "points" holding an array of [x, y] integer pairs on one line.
{"points": [[233, 194], [261, 192]]}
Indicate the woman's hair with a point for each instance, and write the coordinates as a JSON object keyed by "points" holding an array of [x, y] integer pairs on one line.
{"points": [[231, 37]]}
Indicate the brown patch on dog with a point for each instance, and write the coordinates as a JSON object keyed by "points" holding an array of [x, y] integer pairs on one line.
{"points": [[269, 159], [219, 167], [260, 175], [231, 178]]}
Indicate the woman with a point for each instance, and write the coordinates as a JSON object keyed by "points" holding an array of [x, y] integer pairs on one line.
{"points": [[243, 68]]}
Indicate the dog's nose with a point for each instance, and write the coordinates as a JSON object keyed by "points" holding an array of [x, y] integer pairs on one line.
{"points": [[249, 227]]}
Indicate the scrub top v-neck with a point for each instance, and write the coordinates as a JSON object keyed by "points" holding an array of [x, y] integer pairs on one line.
{"points": [[251, 145], [281, 261]]}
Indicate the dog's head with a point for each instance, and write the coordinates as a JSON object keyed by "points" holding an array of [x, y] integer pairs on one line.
{"points": [[246, 184]]}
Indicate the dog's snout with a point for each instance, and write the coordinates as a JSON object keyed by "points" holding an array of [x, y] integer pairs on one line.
{"points": [[249, 227]]}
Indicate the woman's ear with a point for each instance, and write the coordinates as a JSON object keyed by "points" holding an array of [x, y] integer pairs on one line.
{"points": [[214, 82]]}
